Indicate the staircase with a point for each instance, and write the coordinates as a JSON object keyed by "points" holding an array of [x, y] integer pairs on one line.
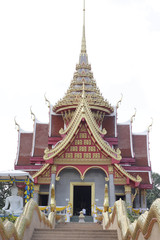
{"points": [[75, 231]]}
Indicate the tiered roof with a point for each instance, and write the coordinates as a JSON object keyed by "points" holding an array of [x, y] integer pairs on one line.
{"points": [[82, 75], [83, 102]]}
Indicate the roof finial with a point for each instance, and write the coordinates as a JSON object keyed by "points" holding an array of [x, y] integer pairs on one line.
{"points": [[118, 103], [16, 124], [47, 101], [83, 47], [134, 115], [32, 114], [150, 126]]}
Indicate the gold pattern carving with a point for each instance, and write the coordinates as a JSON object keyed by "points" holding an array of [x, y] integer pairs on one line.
{"points": [[96, 155], [82, 149], [127, 189], [110, 169], [36, 188], [78, 155], [74, 126], [69, 155], [91, 149], [53, 169], [78, 142], [87, 155], [122, 170], [82, 135], [118, 181], [44, 180], [82, 161], [87, 142], [73, 148]]}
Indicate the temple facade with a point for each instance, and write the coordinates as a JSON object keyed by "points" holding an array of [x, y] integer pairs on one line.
{"points": [[83, 148]]}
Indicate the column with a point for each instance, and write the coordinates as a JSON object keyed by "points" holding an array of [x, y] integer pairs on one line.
{"points": [[53, 178], [127, 189], [36, 193], [111, 187], [137, 200], [143, 199]]}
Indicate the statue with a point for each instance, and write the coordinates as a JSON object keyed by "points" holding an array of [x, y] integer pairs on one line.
{"points": [[13, 203], [106, 199]]}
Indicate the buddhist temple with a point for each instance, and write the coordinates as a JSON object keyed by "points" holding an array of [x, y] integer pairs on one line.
{"points": [[84, 148]]}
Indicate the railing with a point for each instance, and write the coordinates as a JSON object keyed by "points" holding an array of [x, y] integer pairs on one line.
{"points": [[147, 226], [24, 225]]}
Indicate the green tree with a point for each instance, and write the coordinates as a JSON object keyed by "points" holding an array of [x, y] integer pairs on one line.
{"points": [[154, 193], [4, 192]]}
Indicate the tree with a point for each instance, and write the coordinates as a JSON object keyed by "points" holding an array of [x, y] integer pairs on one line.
{"points": [[4, 192], [154, 193]]}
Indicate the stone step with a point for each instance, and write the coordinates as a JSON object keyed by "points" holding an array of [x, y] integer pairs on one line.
{"points": [[79, 226], [74, 234]]}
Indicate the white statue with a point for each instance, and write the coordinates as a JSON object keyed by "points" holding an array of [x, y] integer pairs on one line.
{"points": [[14, 203]]}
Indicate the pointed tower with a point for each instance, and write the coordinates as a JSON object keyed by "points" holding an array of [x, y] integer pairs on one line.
{"points": [[83, 150], [83, 74]]}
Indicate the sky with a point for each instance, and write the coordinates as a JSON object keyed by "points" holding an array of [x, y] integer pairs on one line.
{"points": [[40, 43]]}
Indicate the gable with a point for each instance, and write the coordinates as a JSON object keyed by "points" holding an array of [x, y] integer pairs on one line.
{"points": [[83, 150]]}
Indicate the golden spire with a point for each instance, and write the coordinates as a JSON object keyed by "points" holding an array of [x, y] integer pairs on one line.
{"points": [[83, 46]]}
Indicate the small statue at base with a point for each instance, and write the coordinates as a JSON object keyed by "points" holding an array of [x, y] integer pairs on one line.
{"points": [[81, 217], [13, 203]]}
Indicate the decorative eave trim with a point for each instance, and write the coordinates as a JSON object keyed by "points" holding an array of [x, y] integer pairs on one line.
{"points": [[121, 169], [131, 140], [148, 153], [34, 136], [83, 112], [41, 170], [18, 147]]}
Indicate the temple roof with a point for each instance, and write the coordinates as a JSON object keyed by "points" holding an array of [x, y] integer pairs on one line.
{"points": [[83, 112], [82, 75]]}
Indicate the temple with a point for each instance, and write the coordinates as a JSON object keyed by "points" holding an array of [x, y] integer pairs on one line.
{"points": [[83, 148]]}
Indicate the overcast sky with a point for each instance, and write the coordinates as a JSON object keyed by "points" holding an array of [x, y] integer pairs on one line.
{"points": [[39, 47]]}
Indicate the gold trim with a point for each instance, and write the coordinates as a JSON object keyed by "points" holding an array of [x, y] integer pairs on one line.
{"points": [[92, 184], [110, 169], [96, 167], [36, 188], [83, 161], [127, 189], [43, 193], [83, 112], [69, 167], [40, 170], [120, 194], [121, 169]]}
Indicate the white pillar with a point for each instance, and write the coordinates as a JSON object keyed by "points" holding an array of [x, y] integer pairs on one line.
{"points": [[36, 193], [111, 187]]}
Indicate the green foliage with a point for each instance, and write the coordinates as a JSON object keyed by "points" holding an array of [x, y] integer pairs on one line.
{"points": [[10, 218], [132, 216], [153, 194], [4, 193]]}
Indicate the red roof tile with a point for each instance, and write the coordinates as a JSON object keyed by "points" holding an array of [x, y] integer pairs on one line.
{"points": [[56, 124], [25, 149], [41, 139], [109, 125], [140, 150], [124, 140]]}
